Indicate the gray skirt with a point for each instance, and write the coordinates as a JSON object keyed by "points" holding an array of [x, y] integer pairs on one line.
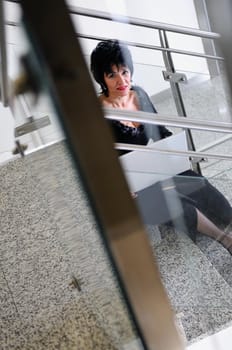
{"points": [[174, 202]]}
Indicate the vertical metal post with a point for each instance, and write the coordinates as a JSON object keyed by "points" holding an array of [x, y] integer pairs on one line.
{"points": [[220, 16], [209, 45], [3, 58], [168, 61]]}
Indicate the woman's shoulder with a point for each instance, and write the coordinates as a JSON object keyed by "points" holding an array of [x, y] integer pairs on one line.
{"points": [[139, 90], [144, 100]]}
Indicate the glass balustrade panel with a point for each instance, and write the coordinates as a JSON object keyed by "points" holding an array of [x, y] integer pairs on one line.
{"points": [[194, 267]]}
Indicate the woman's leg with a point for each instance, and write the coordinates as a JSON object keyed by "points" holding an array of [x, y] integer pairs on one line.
{"points": [[208, 228], [193, 220], [218, 208], [208, 199]]}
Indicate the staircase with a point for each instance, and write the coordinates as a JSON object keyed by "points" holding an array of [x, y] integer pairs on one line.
{"points": [[58, 287]]}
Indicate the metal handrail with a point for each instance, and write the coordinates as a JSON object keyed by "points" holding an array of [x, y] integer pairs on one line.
{"points": [[191, 154], [215, 143], [138, 22], [142, 23], [155, 47], [157, 119], [142, 46], [131, 147]]}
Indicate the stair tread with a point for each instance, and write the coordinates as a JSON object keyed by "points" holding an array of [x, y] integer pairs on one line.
{"points": [[195, 288]]}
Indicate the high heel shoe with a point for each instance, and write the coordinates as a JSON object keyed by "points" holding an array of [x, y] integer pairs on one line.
{"points": [[226, 242]]}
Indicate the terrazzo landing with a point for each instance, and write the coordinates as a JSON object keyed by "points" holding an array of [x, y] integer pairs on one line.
{"points": [[75, 327], [38, 269]]}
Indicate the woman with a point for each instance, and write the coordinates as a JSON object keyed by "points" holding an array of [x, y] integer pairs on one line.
{"points": [[204, 207]]}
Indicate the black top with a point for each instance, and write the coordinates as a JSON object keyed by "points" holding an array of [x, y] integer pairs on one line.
{"points": [[141, 134]]}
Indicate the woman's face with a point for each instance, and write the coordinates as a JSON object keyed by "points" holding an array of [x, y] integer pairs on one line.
{"points": [[118, 81]]}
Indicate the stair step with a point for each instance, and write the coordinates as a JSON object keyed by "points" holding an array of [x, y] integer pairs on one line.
{"points": [[196, 289], [218, 256]]}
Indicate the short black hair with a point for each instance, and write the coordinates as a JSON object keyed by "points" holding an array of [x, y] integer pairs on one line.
{"points": [[106, 54]]}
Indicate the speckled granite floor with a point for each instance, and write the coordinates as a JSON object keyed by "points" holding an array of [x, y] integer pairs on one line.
{"points": [[48, 235], [42, 209]]}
